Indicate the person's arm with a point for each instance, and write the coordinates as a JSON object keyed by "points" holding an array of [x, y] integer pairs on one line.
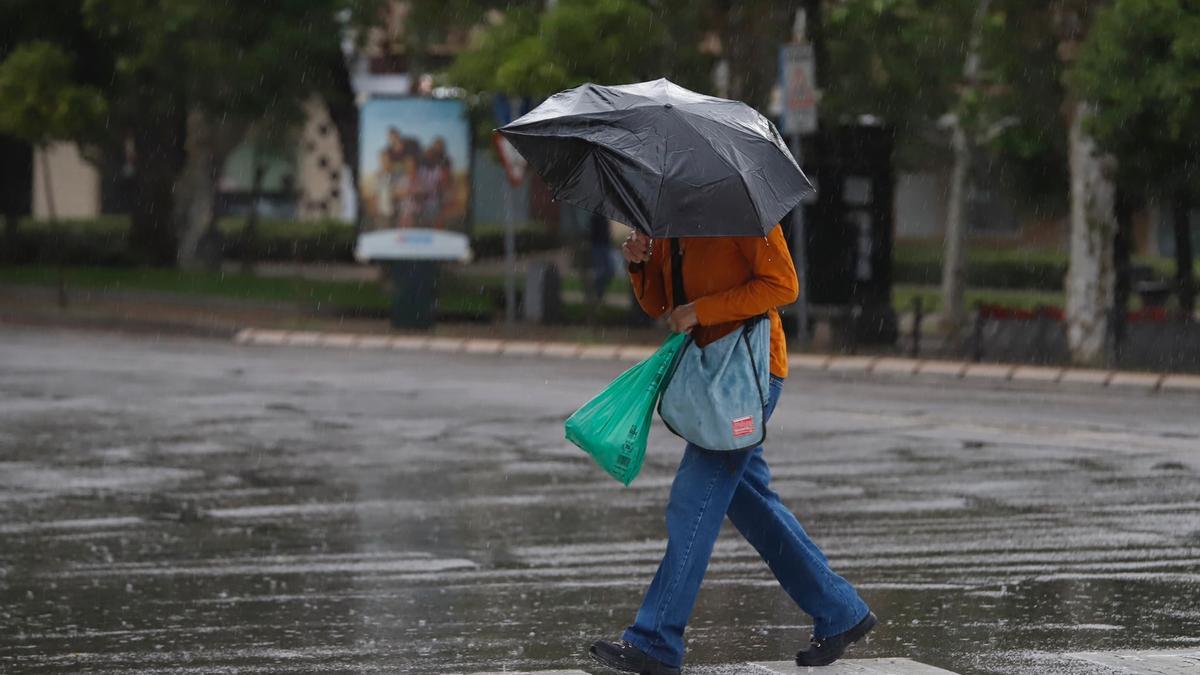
{"points": [[647, 280], [773, 283]]}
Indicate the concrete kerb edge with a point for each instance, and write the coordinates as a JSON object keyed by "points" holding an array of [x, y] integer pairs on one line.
{"points": [[888, 366]]}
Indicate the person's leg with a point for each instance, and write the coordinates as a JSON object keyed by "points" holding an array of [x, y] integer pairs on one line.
{"points": [[700, 496], [799, 565], [602, 272]]}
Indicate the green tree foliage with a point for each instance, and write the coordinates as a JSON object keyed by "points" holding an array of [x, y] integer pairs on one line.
{"points": [[898, 60], [1022, 101], [576, 41], [1140, 68], [41, 101], [902, 61], [157, 61], [1140, 65]]}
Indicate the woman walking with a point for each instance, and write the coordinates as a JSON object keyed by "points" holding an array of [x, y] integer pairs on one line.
{"points": [[731, 279]]}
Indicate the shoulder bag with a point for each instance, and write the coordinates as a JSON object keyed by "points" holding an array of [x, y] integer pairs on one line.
{"points": [[717, 394]]}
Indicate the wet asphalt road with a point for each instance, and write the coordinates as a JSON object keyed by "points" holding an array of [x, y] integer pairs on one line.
{"points": [[195, 506]]}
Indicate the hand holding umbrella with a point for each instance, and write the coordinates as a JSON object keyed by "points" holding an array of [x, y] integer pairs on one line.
{"points": [[637, 248]]}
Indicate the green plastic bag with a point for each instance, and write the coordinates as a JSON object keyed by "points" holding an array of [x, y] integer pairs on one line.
{"points": [[614, 425]]}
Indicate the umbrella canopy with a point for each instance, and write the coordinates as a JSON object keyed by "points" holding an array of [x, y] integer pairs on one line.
{"points": [[663, 159]]}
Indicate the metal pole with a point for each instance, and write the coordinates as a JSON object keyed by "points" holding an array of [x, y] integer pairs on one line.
{"points": [[918, 312], [800, 259], [510, 259]]}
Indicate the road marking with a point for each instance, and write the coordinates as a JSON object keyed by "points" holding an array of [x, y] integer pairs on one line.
{"points": [[1156, 662], [535, 672], [856, 667]]}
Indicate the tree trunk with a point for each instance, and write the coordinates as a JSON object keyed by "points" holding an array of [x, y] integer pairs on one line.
{"points": [[47, 179], [11, 218], [250, 233], [158, 159], [1122, 268], [208, 145], [1089, 282], [753, 32], [1181, 208], [954, 263], [343, 110], [16, 187], [44, 152], [196, 190]]}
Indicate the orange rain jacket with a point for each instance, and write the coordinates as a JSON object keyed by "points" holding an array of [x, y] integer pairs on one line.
{"points": [[729, 279]]}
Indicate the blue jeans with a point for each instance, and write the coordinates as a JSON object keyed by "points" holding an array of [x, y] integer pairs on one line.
{"points": [[709, 486]]}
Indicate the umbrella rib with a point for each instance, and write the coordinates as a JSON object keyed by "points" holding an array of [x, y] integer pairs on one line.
{"points": [[662, 177], [741, 179], [590, 142], [593, 147]]}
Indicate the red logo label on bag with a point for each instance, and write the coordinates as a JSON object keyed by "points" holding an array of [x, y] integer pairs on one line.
{"points": [[743, 426]]}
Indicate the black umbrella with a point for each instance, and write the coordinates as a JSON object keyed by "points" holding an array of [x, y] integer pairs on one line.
{"points": [[664, 159]]}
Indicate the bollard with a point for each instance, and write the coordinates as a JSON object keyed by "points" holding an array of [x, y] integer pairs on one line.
{"points": [[915, 351], [855, 319], [977, 335]]}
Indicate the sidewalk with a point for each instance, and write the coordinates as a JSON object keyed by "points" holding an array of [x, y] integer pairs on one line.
{"points": [[202, 316], [275, 324]]}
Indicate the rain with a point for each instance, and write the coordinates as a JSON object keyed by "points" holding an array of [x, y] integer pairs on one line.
{"points": [[340, 336]]}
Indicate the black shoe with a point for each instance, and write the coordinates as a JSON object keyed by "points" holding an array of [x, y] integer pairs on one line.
{"points": [[826, 651], [622, 656]]}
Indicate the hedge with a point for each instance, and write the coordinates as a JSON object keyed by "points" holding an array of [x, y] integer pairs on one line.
{"points": [[986, 268], [487, 241], [103, 241], [1040, 269], [98, 241]]}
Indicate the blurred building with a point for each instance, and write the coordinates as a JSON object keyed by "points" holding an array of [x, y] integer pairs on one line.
{"points": [[303, 182], [309, 180]]}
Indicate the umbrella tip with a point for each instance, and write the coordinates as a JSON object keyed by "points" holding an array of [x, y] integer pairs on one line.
{"points": [[667, 105]]}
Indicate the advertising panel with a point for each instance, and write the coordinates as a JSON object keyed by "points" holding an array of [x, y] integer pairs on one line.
{"points": [[414, 163]]}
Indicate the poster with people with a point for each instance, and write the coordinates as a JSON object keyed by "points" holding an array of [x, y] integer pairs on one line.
{"points": [[414, 163]]}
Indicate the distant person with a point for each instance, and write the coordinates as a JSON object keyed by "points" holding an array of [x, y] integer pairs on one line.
{"points": [[406, 190], [398, 152], [383, 191], [436, 183], [600, 236]]}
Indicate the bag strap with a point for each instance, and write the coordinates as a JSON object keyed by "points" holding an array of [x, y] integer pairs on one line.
{"points": [[746, 328], [678, 295]]}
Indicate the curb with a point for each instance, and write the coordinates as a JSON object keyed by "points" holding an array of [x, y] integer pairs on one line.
{"points": [[111, 324], [884, 366]]}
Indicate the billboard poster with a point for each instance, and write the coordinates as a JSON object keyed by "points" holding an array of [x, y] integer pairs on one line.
{"points": [[414, 163]]}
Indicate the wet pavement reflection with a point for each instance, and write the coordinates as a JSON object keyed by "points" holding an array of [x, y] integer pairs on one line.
{"points": [[194, 506]]}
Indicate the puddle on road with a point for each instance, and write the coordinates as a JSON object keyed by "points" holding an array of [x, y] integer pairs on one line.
{"points": [[410, 540]]}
